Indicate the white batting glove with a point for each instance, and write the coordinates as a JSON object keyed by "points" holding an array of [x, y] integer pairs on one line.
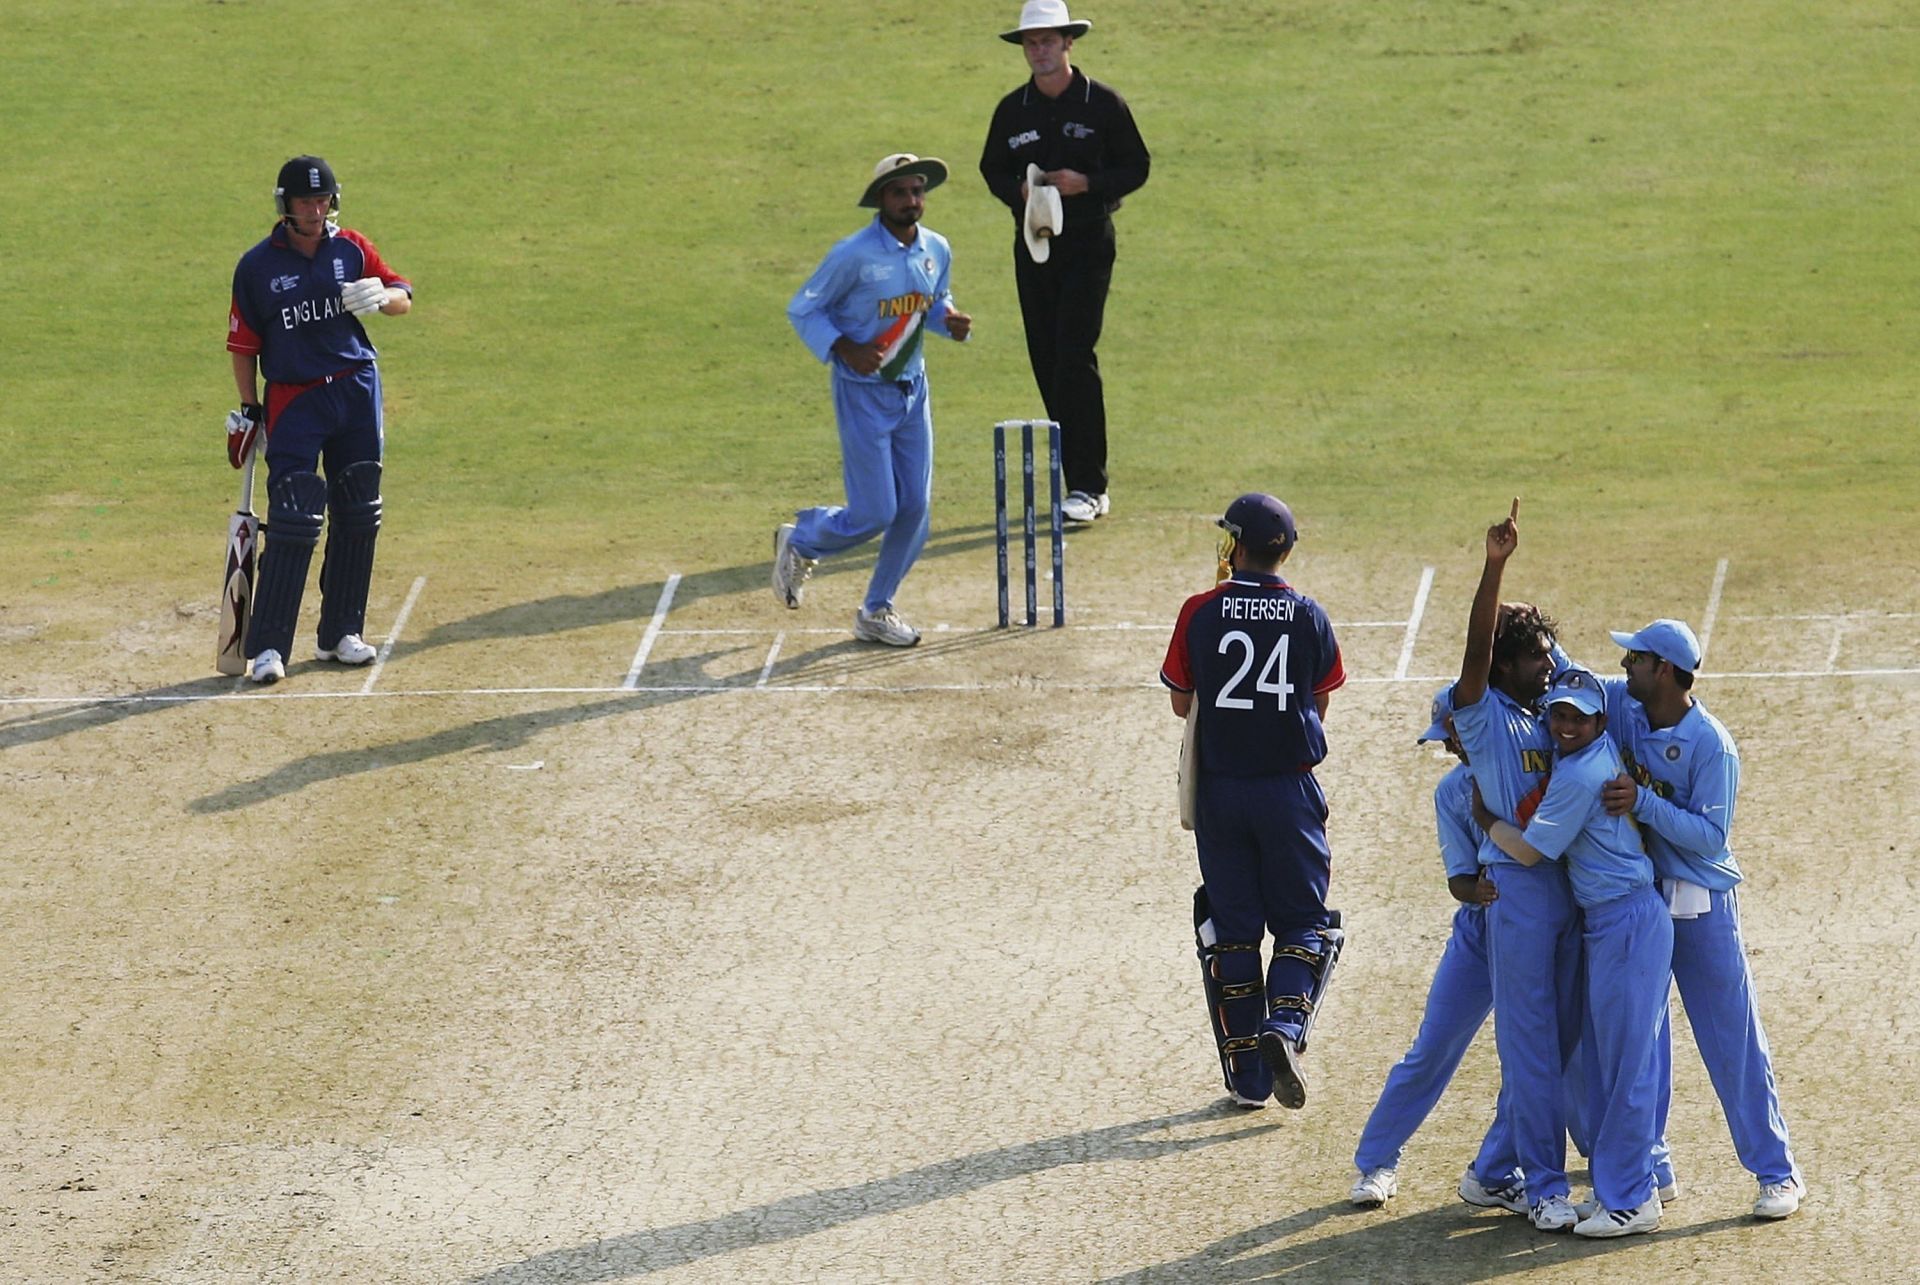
{"points": [[368, 294]]}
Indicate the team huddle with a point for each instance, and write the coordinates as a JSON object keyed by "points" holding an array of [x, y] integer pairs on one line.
{"points": [[1585, 834]]}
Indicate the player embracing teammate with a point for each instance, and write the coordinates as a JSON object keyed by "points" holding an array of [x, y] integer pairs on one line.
{"points": [[1604, 806]]}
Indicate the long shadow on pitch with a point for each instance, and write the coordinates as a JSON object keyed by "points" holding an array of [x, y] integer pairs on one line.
{"points": [[657, 1249], [81, 716], [506, 732], [1451, 1243], [512, 731], [562, 612]]}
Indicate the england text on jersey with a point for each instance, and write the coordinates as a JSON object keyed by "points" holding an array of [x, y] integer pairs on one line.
{"points": [[324, 309]]}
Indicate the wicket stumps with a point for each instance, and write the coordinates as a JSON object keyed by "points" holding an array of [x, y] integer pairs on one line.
{"points": [[1029, 520]]}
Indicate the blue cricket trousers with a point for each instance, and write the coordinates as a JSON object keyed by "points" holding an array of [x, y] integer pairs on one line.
{"points": [[1533, 953], [1629, 948], [886, 462], [1457, 1005]]}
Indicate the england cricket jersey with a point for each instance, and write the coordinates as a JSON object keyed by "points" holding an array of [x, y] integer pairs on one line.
{"points": [[1688, 775], [1603, 854], [1255, 653], [286, 307], [1508, 747], [870, 287]]}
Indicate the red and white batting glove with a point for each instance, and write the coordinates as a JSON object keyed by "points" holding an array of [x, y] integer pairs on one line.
{"points": [[243, 428], [368, 294]]}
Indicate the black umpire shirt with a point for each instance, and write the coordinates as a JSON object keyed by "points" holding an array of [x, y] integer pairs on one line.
{"points": [[1087, 128]]}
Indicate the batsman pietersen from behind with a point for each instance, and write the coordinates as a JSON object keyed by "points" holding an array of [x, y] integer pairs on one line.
{"points": [[295, 320], [1255, 661]]}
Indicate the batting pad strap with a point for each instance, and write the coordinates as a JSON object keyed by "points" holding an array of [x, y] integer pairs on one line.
{"points": [[1290, 1003], [1239, 1044], [1283, 951]]}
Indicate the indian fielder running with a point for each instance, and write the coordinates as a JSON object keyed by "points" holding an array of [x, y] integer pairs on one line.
{"points": [[298, 298]]}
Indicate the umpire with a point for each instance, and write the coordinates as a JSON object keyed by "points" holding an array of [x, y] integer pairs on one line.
{"points": [[1082, 139], [1255, 662]]}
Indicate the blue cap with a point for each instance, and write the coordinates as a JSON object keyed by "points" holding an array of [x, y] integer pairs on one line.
{"points": [[1579, 688], [1259, 521], [1670, 640], [1442, 710]]}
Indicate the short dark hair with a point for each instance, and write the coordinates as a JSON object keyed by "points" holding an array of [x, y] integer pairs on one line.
{"points": [[1521, 626]]}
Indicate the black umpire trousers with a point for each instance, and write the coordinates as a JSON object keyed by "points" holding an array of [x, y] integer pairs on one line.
{"points": [[1063, 303]]}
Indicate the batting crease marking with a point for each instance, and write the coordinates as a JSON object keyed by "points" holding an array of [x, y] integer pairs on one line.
{"points": [[393, 636], [653, 631], [1413, 622], [773, 654], [1713, 606]]}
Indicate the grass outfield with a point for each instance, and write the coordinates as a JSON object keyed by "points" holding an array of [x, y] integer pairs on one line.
{"points": [[1396, 261]]}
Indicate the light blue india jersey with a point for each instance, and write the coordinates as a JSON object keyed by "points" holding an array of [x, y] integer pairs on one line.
{"points": [[872, 287]]}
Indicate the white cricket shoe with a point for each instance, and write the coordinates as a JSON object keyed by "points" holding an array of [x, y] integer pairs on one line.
{"points": [[1374, 1189], [884, 626], [1555, 1213], [1282, 1057], [267, 667], [1079, 507], [350, 650], [1246, 1102], [791, 570], [1510, 1196], [1669, 1193], [1603, 1223], [1778, 1199]]}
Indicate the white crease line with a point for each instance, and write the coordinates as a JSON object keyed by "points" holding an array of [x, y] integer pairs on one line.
{"points": [[773, 654], [393, 635], [1413, 622], [1713, 606], [653, 631], [904, 689], [1833, 652], [1831, 615]]}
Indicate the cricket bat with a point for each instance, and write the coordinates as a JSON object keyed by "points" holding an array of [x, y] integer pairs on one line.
{"points": [[236, 585]]}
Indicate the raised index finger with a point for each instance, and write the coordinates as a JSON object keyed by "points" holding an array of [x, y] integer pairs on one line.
{"points": [[1514, 514]]}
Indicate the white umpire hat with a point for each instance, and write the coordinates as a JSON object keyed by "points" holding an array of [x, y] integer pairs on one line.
{"points": [[1046, 15], [1044, 216]]}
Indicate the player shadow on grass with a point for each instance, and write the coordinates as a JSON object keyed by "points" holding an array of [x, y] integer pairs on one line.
{"points": [[1455, 1242], [659, 1249], [636, 602]]}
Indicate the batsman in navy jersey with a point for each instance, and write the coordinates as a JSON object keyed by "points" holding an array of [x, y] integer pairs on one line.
{"points": [[295, 321], [1255, 661]]}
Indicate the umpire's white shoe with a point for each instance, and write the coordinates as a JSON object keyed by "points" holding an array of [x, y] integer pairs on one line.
{"points": [[1510, 1196], [1374, 1189], [884, 626], [1079, 507], [1603, 1223], [1778, 1199], [350, 650], [790, 569], [1282, 1057], [267, 667], [1101, 504], [1556, 1213]]}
